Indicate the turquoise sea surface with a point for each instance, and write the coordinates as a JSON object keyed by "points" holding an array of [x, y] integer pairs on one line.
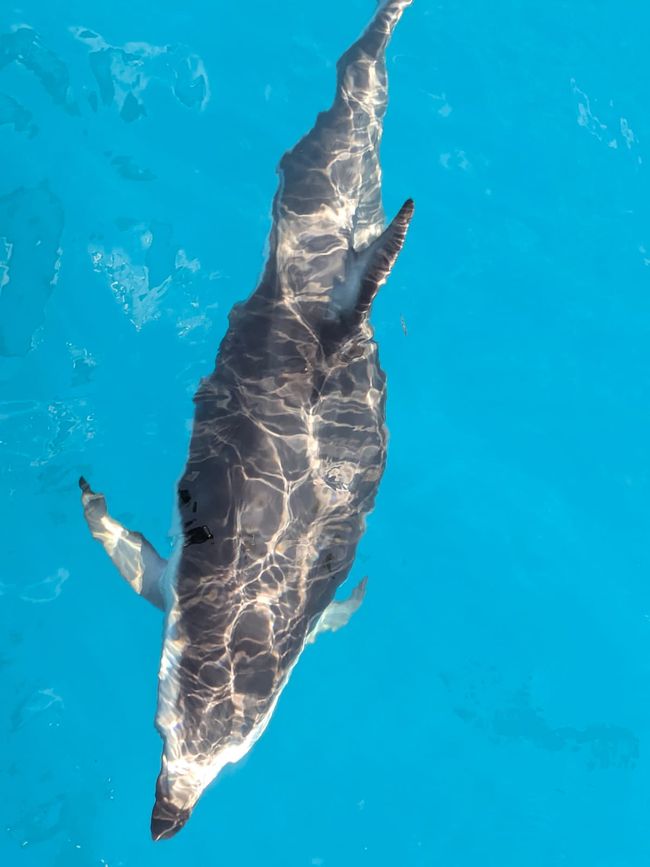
{"points": [[489, 703]]}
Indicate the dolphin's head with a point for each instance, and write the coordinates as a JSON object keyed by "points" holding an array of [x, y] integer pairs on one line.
{"points": [[184, 778], [182, 781], [167, 818], [216, 696], [180, 784]]}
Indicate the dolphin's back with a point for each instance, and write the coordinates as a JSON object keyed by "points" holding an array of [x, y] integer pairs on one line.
{"points": [[283, 466]]}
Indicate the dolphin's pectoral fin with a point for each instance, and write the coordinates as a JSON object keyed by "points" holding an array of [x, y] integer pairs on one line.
{"points": [[136, 559], [378, 258], [338, 613]]}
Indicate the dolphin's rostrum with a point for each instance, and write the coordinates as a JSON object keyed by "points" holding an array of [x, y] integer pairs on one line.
{"points": [[287, 450]]}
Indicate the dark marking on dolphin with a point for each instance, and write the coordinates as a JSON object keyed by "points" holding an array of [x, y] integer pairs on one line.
{"points": [[286, 454]]}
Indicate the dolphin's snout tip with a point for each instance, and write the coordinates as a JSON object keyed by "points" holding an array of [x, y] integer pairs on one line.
{"points": [[167, 820], [85, 487]]}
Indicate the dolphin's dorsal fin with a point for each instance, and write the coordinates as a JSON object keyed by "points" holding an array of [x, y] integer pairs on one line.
{"points": [[368, 270], [381, 255]]}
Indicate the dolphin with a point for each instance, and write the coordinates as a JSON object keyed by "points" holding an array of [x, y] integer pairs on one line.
{"points": [[286, 454]]}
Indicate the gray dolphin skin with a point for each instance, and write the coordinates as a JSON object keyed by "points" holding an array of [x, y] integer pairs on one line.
{"points": [[286, 454]]}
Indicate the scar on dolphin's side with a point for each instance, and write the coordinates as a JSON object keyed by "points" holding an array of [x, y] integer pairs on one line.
{"points": [[286, 454]]}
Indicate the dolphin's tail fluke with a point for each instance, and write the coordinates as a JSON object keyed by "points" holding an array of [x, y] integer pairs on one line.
{"points": [[329, 199]]}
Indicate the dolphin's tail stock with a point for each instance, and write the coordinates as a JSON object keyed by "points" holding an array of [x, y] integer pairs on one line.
{"points": [[329, 198], [362, 86]]}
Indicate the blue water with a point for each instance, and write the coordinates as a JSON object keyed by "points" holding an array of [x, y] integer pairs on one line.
{"points": [[489, 703]]}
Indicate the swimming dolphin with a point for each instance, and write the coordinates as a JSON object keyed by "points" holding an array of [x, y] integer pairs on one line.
{"points": [[286, 454]]}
